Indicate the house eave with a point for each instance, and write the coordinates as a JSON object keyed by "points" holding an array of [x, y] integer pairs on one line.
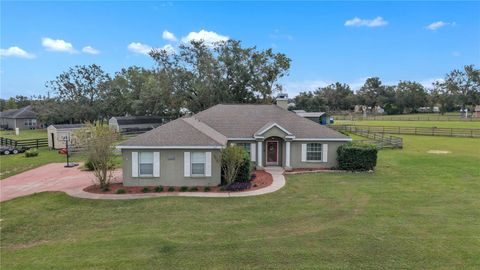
{"points": [[168, 147]]}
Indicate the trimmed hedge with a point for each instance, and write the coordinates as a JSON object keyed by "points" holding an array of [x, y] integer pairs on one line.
{"points": [[357, 157]]}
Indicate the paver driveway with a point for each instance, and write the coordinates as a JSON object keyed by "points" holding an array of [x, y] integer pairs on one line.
{"points": [[50, 177]]}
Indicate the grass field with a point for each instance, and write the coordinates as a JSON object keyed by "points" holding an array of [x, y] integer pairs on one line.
{"points": [[417, 211], [439, 124], [452, 116], [24, 134]]}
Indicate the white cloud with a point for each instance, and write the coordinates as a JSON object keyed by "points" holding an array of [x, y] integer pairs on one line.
{"points": [[141, 48], [15, 51], [428, 83], [456, 54], [169, 36], [138, 47], [436, 25], [58, 45], [90, 50], [168, 48], [294, 88], [378, 21], [208, 37]]}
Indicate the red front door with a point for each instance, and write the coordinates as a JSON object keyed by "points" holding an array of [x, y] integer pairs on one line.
{"points": [[272, 152]]}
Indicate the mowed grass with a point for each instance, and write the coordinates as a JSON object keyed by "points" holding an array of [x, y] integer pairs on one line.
{"points": [[438, 124], [25, 134], [417, 211], [15, 164]]}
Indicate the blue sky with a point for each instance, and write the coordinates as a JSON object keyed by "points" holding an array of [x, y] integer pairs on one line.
{"points": [[327, 41]]}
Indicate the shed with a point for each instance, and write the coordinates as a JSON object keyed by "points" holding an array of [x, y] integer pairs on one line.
{"points": [[58, 133], [317, 117], [136, 123]]}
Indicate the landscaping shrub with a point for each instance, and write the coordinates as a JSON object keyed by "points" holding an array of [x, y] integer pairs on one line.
{"points": [[32, 152], [245, 171], [183, 189], [206, 189], [231, 159], [171, 189], [121, 191], [193, 189], [357, 157], [145, 190], [238, 186], [159, 189]]}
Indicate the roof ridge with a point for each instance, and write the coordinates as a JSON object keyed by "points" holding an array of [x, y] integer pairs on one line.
{"points": [[206, 129]]}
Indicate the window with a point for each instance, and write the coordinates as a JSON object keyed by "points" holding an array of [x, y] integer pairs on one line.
{"points": [[198, 163], [30, 122], [245, 146], [146, 163], [314, 152]]}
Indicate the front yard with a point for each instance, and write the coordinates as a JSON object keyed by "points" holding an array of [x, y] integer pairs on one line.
{"points": [[418, 210]]}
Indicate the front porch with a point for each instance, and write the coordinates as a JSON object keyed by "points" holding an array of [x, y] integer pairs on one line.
{"points": [[273, 147]]}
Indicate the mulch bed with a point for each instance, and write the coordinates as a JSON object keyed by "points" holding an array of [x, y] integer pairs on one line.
{"points": [[262, 179]]}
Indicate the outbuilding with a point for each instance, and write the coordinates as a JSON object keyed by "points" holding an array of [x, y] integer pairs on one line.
{"points": [[59, 134], [317, 117], [136, 123]]}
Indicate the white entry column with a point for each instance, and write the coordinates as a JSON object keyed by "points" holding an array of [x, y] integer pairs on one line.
{"points": [[259, 152], [287, 154]]}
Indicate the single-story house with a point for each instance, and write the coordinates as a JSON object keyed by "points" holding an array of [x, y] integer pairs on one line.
{"points": [[186, 151], [321, 118], [58, 134], [135, 123], [24, 118]]}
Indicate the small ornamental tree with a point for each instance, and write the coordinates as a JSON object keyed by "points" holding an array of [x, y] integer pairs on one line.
{"points": [[232, 159], [98, 143]]}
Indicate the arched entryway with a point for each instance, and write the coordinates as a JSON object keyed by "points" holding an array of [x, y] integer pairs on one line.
{"points": [[273, 151]]}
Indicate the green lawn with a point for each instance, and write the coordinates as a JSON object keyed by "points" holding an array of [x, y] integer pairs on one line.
{"points": [[417, 211], [24, 134], [440, 124]]}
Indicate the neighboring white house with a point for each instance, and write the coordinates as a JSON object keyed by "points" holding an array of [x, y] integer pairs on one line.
{"points": [[58, 134]]}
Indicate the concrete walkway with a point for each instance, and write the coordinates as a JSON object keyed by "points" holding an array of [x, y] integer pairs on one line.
{"points": [[276, 172], [54, 177]]}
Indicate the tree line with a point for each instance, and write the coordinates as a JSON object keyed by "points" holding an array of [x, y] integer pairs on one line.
{"points": [[460, 89], [200, 75]]}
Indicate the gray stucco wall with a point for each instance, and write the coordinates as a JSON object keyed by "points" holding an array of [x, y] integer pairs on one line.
{"points": [[296, 155], [171, 169]]}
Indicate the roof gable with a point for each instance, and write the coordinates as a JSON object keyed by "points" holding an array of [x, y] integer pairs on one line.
{"points": [[268, 126]]}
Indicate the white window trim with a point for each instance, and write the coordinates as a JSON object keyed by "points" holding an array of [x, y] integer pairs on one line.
{"points": [[139, 163], [321, 153], [204, 165]]}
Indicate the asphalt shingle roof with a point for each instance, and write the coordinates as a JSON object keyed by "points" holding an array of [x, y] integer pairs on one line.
{"points": [[231, 121], [174, 133], [23, 113], [242, 121]]}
